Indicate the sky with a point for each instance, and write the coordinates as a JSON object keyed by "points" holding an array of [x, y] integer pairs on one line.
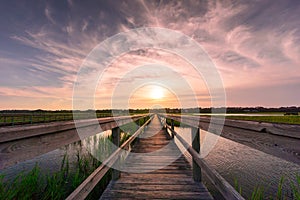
{"points": [[254, 45]]}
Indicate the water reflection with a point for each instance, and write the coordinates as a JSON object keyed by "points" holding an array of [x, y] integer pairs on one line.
{"points": [[51, 161], [249, 166]]}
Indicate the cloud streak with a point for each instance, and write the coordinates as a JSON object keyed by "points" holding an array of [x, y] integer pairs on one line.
{"points": [[252, 43]]}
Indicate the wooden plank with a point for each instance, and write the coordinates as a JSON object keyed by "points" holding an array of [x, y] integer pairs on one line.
{"points": [[219, 182], [168, 174], [25, 131], [82, 191]]}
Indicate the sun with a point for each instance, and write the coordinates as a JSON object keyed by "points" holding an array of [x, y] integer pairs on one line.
{"points": [[157, 92]]}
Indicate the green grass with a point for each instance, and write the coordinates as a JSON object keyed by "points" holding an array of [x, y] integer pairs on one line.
{"points": [[271, 119], [259, 191], [237, 186], [176, 123], [14, 119], [35, 185], [296, 188], [24, 186]]}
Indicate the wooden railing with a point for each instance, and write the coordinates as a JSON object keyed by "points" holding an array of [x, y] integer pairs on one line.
{"points": [[227, 191], [265, 137], [35, 140], [82, 191]]}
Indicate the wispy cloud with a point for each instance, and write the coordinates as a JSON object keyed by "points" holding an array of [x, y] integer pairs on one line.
{"points": [[48, 14], [252, 43]]}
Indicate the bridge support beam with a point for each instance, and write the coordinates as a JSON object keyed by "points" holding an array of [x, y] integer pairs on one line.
{"points": [[196, 146], [116, 141]]}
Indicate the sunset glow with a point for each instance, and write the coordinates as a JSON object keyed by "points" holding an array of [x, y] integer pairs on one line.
{"points": [[157, 92]]}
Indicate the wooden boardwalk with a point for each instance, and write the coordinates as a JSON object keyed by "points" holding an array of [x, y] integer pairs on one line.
{"points": [[153, 173]]}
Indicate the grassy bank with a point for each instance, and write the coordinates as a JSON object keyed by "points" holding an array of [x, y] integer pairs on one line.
{"points": [[36, 185], [32, 118], [15, 119], [271, 119]]}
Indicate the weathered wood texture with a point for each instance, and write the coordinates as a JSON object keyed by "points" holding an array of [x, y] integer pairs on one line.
{"points": [[227, 191], [25, 131], [83, 190], [21, 143], [196, 146], [156, 170], [278, 140], [116, 140]]}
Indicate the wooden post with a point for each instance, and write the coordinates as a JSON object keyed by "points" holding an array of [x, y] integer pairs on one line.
{"points": [[172, 127], [116, 141], [196, 146]]}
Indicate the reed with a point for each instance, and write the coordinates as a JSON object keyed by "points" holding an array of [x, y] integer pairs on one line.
{"points": [[259, 191], [35, 185]]}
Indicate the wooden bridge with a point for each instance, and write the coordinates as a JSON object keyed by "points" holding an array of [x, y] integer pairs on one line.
{"points": [[174, 181], [155, 167]]}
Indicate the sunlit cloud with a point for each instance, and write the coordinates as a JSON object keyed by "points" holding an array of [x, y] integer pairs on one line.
{"points": [[254, 45]]}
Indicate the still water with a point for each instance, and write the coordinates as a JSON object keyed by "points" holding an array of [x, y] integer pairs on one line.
{"points": [[249, 166], [51, 161]]}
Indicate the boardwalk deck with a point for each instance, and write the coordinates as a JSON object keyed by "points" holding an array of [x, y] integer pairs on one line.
{"points": [[153, 173]]}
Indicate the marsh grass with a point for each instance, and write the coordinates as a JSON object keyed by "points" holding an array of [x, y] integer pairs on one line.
{"points": [[35, 185], [296, 187], [237, 186], [176, 123], [259, 191], [25, 186], [14, 119], [271, 119]]}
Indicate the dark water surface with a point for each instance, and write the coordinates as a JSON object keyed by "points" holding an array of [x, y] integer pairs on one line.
{"points": [[51, 161], [249, 166]]}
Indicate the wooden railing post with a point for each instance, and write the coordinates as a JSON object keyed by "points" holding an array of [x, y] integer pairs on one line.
{"points": [[172, 127], [116, 141], [196, 146]]}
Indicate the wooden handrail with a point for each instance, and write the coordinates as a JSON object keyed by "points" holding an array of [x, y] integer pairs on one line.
{"points": [[16, 133], [82, 191], [286, 130], [265, 137], [219, 182]]}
